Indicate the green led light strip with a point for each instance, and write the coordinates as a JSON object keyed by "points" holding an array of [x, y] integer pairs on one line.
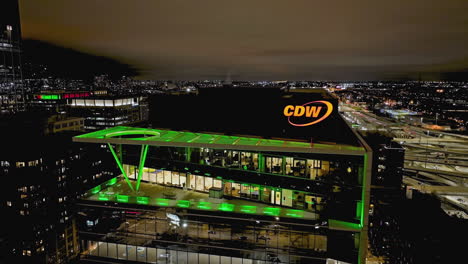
{"points": [[226, 207], [112, 181], [122, 198], [248, 209], [103, 197], [273, 211], [295, 213], [162, 202], [142, 200], [144, 151], [183, 203], [204, 205], [120, 166]]}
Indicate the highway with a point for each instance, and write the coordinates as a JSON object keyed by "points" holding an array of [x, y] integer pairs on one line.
{"points": [[436, 162]]}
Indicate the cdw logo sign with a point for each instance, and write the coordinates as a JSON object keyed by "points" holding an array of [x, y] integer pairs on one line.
{"points": [[313, 112]]}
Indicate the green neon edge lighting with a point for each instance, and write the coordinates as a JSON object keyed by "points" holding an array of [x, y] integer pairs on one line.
{"points": [[226, 207], [271, 211], [144, 151], [96, 189], [170, 135], [363, 196], [112, 181], [162, 201], [295, 213], [103, 197], [183, 203], [364, 179], [249, 209], [122, 198], [120, 166], [204, 205], [142, 200]]}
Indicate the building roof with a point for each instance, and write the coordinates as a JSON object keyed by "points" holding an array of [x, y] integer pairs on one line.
{"points": [[160, 137]]}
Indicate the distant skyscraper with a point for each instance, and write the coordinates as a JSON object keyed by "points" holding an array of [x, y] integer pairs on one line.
{"points": [[11, 87]]}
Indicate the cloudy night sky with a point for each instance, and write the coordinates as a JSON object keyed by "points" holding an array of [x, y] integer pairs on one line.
{"points": [[261, 39]]}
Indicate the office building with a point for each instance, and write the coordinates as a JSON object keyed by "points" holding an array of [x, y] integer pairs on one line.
{"points": [[41, 183], [55, 101], [11, 87], [196, 195], [102, 112]]}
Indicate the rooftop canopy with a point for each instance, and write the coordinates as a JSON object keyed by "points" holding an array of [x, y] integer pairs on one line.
{"points": [[159, 137]]}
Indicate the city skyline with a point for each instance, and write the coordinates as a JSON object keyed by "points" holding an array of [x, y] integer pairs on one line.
{"points": [[262, 40], [249, 133]]}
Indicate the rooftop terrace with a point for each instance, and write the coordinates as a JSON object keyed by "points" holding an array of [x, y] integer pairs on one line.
{"points": [[159, 137], [118, 191]]}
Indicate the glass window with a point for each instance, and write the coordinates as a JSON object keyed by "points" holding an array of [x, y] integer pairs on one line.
{"points": [[151, 253], [175, 178], [160, 176], [99, 102], [146, 174], [288, 166], [131, 252], [249, 160], [214, 259], [183, 179], [299, 168], [225, 260], [181, 257], [219, 157], [112, 250], [200, 185], [122, 251], [102, 249], [193, 258], [167, 177], [255, 192], [298, 200], [273, 164], [277, 197], [227, 188], [245, 191], [141, 254], [235, 190], [217, 183], [163, 256], [152, 176], [93, 248], [192, 182], [203, 258], [232, 159], [109, 102], [208, 183], [266, 195]]}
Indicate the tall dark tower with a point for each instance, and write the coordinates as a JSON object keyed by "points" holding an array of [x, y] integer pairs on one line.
{"points": [[11, 86]]}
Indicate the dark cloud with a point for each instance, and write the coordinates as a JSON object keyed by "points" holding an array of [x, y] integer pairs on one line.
{"points": [[262, 39]]}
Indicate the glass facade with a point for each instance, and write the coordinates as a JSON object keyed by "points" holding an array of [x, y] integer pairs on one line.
{"points": [[165, 236], [254, 192], [298, 165], [329, 184], [287, 186]]}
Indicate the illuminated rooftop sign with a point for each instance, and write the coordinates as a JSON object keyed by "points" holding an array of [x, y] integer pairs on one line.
{"points": [[63, 96], [313, 112], [76, 95], [48, 96]]}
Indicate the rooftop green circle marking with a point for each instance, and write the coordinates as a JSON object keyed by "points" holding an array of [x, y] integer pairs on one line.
{"points": [[143, 133]]}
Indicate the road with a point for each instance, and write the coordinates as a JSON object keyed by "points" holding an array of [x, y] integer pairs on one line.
{"points": [[436, 162]]}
